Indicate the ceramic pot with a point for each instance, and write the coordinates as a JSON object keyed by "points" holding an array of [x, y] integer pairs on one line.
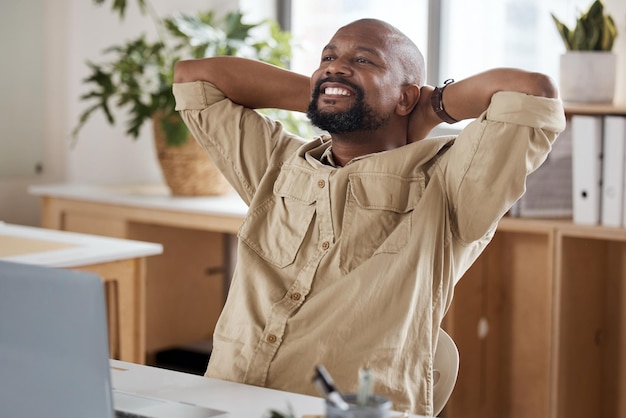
{"points": [[588, 76]]}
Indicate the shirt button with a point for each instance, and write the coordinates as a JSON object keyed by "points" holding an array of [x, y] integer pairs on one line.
{"points": [[271, 338], [325, 245], [296, 296], [321, 184]]}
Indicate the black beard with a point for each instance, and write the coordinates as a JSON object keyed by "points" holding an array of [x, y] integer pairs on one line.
{"points": [[359, 117]]}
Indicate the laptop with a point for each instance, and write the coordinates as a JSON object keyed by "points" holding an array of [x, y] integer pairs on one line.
{"points": [[54, 355]]}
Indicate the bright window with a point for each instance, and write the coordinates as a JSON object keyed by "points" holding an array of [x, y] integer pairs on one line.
{"points": [[314, 22], [464, 37]]}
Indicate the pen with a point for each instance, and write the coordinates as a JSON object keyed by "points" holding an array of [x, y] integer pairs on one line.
{"points": [[366, 386], [326, 386]]}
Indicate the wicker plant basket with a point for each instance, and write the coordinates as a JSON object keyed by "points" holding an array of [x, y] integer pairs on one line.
{"points": [[188, 170]]}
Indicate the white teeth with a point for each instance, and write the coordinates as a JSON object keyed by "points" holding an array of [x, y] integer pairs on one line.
{"points": [[337, 91]]}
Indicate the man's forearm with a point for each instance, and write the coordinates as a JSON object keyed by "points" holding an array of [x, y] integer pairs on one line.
{"points": [[470, 97], [247, 82]]}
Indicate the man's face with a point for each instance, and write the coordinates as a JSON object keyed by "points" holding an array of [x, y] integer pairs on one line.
{"points": [[354, 88]]}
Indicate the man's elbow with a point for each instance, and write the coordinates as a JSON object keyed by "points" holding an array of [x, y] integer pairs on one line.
{"points": [[542, 85], [184, 71]]}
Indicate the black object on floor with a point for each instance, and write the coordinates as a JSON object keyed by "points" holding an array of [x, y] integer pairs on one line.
{"points": [[182, 360]]}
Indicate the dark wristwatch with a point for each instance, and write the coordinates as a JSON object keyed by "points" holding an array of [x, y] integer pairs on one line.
{"points": [[436, 101]]}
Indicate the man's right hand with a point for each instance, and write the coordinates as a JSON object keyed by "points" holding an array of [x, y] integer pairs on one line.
{"points": [[423, 119]]}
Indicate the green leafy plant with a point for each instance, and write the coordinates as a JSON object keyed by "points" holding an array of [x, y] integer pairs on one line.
{"points": [[594, 30], [138, 74]]}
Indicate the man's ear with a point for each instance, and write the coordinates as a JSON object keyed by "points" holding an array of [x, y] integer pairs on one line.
{"points": [[409, 99]]}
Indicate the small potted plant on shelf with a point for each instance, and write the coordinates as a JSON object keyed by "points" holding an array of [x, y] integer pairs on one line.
{"points": [[588, 67], [138, 76]]}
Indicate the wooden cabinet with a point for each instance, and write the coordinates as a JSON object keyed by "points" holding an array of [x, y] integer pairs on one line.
{"points": [[540, 320], [591, 345], [501, 320], [185, 286]]}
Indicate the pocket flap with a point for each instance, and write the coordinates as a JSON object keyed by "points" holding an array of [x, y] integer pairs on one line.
{"points": [[289, 184], [386, 192]]}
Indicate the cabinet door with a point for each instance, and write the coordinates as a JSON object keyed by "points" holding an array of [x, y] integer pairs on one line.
{"points": [[184, 286], [592, 314], [501, 320]]}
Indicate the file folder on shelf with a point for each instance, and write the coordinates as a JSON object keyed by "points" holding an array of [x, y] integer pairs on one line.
{"points": [[586, 168], [549, 188], [612, 203]]}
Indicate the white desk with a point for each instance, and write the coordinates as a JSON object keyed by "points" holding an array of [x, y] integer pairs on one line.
{"points": [[241, 401], [52, 248], [119, 262]]}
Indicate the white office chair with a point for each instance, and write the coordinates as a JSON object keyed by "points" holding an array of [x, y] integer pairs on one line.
{"points": [[445, 370]]}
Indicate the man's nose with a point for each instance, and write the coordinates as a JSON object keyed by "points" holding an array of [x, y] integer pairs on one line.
{"points": [[339, 66]]}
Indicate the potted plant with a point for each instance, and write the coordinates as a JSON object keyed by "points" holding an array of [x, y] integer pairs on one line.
{"points": [[588, 68], [138, 76]]}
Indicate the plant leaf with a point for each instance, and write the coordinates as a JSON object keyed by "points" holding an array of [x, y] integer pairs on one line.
{"points": [[563, 31], [609, 34], [119, 6], [594, 30], [137, 75]]}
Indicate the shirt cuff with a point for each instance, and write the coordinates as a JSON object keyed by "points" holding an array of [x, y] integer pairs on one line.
{"points": [[523, 109], [196, 95]]}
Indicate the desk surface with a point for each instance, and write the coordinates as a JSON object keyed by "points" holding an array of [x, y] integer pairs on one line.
{"points": [[52, 248], [146, 196], [241, 401]]}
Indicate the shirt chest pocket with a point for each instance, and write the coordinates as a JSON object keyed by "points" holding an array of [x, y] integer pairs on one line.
{"points": [[276, 228], [377, 217]]}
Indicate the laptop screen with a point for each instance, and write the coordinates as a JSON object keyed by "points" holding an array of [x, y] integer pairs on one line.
{"points": [[53, 343]]}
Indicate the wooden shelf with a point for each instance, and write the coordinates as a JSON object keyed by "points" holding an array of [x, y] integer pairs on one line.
{"points": [[563, 226], [572, 108]]}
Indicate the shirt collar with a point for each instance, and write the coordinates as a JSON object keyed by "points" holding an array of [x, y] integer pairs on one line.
{"points": [[327, 157]]}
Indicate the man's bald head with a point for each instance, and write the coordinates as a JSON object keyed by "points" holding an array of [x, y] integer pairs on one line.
{"points": [[400, 46]]}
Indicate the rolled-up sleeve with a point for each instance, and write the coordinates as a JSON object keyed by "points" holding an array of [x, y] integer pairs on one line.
{"points": [[487, 166], [240, 141]]}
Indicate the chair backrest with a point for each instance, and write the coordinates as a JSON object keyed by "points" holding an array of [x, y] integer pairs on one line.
{"points": [[445, 370]]}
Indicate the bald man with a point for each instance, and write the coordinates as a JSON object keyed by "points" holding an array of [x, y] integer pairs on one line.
{"points": [[354, 240]]}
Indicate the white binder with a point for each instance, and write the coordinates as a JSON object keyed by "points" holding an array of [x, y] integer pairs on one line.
{"points": [[612, 204], [586, 168]]}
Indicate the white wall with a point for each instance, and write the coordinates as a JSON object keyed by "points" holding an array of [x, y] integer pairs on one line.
{"points": [[104, 154], [15, 204], [77, 30]]}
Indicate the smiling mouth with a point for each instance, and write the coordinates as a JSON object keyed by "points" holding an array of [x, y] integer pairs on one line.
{"points": [[337, 91]]}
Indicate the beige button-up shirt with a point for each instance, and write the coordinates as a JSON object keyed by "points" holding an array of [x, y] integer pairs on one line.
{"points": [[356, 265]]}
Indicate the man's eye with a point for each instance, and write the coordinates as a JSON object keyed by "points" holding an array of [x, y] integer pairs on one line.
{"points": [[361, 60], [328, 58]]}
